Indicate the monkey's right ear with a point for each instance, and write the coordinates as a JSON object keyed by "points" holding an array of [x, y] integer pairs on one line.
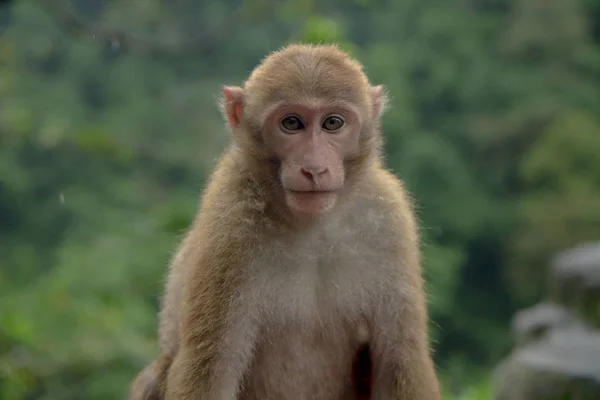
{"points": [[379, 97], [232, 103]]}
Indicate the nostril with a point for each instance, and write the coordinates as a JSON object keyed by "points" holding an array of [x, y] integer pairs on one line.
{"points": [[313, 172], [306, 173]]}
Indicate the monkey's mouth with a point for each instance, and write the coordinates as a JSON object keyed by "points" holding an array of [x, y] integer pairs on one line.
{"points": [[311, 201], [309, 192]]}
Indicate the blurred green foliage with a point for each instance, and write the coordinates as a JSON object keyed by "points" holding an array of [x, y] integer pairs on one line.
{"points": [[108, 128]]}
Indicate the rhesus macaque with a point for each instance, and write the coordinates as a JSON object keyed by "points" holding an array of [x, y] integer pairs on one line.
{"points": [[300, 277]]}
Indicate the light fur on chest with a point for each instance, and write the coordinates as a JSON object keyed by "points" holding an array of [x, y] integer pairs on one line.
{"points": [[313, 324]]}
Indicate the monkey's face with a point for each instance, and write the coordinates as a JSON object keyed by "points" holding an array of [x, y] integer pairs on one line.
{"points": [[311, 143], [312, 110]]}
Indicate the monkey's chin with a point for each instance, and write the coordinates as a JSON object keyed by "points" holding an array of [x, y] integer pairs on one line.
{"points": [[310, 203]]}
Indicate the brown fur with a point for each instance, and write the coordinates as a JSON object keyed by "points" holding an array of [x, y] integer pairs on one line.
{"points": [[263, 304]]}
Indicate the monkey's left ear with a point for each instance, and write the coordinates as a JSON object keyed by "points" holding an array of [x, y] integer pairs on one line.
{"points": [[232, 104], [379, 100]]}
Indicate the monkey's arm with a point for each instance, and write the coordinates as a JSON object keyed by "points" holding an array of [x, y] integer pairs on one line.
{"points": [[169, 315], [216, 334], [150, 383], [402, 360]]}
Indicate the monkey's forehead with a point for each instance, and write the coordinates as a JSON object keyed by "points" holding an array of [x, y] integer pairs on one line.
{"points": [[308, 71]]}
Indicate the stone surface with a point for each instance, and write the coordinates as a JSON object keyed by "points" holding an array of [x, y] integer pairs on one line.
{"points": [[533, 323], [575, 281], [563, 365], [557, 356], [575, 269]]}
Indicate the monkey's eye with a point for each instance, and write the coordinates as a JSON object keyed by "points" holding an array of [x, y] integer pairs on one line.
{"points": [[292, 123], [333, 123]]}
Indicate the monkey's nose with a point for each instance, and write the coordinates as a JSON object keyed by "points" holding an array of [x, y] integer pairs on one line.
{"points": [[313, 173]]}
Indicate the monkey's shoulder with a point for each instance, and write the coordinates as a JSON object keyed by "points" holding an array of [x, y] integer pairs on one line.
{"points": [[379, 221], [383, 200]]}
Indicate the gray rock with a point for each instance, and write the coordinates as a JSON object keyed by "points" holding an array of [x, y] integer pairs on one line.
{"points": [[535, 322], [563, 365], [558, 352], [576, 281], [577, 268]]}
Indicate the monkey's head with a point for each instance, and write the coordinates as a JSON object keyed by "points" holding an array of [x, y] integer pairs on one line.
{"points": [[308, 115]]}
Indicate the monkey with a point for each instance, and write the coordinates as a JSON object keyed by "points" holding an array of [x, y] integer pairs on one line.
{"points": [[149, 384], [300, 276]]}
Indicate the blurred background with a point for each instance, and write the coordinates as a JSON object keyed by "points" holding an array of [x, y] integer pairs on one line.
{"points": [[109, 127]]}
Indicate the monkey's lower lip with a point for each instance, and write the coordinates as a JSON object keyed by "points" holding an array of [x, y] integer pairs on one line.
{"points": [[311, 191], [310, 201]]}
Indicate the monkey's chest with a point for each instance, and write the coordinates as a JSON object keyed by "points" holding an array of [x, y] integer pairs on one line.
{"points": [[314, 323], [318, 287], [302, 362]]}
